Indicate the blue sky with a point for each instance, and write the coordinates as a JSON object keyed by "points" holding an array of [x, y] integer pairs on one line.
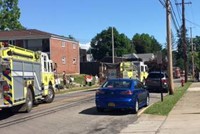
{"points": [[83, 19]]}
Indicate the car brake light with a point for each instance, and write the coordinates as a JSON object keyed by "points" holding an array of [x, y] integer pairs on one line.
{"points": [[99, 91], [128, 92], [164, 81]]}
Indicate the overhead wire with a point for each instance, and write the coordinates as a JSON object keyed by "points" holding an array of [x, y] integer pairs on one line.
{"points": [[162, 3], [174, 18], [173, 15], [193, 23], [178, 9]]}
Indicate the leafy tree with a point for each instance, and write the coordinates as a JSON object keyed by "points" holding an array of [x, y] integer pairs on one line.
{"points": [[198, 60], [9, 15], [180, 63], [180, 45], [145, 43], [101, 44], [196, 43]]}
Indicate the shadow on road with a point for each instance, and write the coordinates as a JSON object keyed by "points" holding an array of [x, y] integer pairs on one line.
{"points": [[4, 114], [93, 111]]}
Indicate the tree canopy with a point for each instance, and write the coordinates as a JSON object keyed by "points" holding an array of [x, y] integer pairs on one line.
{"points": [[9, 15], [196, 46], [101, 44], [144, 43], [180, 49]]}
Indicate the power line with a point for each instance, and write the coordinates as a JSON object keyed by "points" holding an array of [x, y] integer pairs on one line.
{"points": [[173, 15], [174, 18], [193, 23], [162, 3], [178, 9]]}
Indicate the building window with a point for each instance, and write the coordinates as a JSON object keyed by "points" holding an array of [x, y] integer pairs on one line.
{"points": [[45, 45], [74, 61], [63, 60], [74, 46], [63, 44]]}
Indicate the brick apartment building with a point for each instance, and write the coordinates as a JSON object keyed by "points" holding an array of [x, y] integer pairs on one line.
{"points": [[62, 50]]}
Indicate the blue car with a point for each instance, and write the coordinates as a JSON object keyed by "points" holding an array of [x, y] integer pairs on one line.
{"points": [[127, 94]]}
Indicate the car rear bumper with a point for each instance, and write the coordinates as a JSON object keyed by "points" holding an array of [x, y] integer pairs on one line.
{"points": [[157, 88], [115, 104]]}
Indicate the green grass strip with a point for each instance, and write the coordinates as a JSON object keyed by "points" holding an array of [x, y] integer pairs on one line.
{"points": [[163, 108], [63, 91]]}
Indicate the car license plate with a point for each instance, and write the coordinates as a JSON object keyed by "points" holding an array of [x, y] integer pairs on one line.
{"points": [[111, 104]]}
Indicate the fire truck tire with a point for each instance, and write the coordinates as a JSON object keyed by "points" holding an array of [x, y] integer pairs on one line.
{"points": [[29, 102], [27, 106], [50, 97]]}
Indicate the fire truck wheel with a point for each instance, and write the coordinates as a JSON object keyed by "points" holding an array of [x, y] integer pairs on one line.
{"points": [[50, 97], [27, 106], [29, 101]]}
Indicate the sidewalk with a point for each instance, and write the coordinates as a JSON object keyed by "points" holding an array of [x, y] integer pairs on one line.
{"points": [[183, 119]]}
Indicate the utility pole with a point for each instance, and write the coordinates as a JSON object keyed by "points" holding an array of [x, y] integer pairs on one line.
{"points": [[169, 46], [184, 40], [192, 50], [184, 37], [113, 48]]}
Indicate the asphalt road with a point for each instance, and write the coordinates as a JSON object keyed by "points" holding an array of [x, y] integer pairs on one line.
{"points": [[70, 113]]}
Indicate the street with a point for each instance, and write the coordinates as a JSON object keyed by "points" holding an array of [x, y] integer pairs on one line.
{"points": [[69, 114]]}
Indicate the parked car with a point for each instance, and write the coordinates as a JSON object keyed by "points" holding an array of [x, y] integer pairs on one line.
{"points": [[157, 81], [128, 94]]}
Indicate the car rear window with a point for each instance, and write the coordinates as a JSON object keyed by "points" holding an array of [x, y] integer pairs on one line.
{"points": [[117, 84], [155, 75]]}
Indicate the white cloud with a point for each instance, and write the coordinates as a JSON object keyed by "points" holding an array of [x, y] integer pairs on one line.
{"points": [[85, 46]]}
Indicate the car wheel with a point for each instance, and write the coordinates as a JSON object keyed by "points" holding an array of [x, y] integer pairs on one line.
{"points": [[99, 109], [136, 108], [147, 101]]}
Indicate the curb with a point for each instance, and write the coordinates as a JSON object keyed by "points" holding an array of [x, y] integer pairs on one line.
{"points": [[143, 109]]}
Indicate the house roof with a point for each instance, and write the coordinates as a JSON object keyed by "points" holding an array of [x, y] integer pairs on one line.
{"points": [[28, 34], [146, 56], [108, 59]]}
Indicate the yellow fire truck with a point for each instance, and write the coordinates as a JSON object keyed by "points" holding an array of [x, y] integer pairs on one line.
{"points": [[142, 70], [25, 78], [125, 69]]}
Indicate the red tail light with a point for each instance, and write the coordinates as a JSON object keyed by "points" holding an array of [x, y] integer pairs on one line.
{"points": [[128, 92], [5, 88], [164, 81], [99, 91]]}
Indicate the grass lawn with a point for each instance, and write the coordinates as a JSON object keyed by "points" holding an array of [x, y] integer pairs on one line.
{"points": [[76, 89], [79, 84], [163, 108]]}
